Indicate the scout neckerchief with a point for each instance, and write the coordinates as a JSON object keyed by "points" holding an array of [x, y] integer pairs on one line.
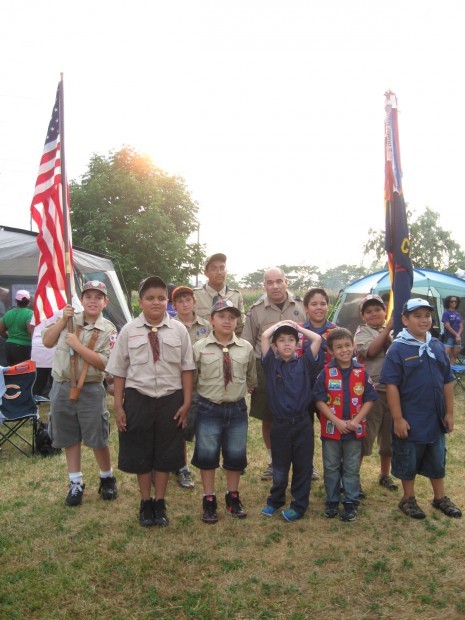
{"points": [[154, 342], [227, 370], [406, 337]]}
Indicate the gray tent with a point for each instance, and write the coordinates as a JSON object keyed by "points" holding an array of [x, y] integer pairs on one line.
{"points": [[19, 258], [431, 285]]}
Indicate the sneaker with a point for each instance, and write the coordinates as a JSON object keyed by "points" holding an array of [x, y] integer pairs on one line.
{"points": [[209, 509], [268, 473], [146, 513], [108, 488], [234, 506], [349, 514], [332, 510], [388, 483], [315, 474], [159, 513], [75, 493], [290, 515], [268, 511], [184, 478]]}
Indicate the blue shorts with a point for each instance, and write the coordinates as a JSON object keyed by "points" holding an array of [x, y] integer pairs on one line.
{"points": [[426, 459], [223, 428], [449, 341]]}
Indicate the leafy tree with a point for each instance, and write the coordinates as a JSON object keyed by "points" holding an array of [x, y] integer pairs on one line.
{"points": [[431, 247], [128, 208], [336, 278], [299, 276]]}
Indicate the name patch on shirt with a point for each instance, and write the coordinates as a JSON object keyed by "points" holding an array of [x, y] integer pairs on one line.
{"points": [[334, 384]]}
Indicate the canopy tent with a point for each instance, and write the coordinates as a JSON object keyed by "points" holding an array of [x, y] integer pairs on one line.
{"points": [[19, 258], [431, 285]]}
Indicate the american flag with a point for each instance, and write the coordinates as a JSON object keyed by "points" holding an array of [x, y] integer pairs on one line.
{"points": [[47, 212], [397, 240]]}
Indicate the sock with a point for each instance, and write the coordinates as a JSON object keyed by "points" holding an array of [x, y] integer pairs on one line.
{"points": [[209, 494], [76, 477], [106, 474], [269, 456], [185, 468]]}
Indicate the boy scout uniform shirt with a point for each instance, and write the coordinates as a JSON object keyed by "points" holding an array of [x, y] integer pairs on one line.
{"points": [[205, 295], [209, 359], [199, 329], [132, 357], [264, 313], [62, 360], [364, 336]]}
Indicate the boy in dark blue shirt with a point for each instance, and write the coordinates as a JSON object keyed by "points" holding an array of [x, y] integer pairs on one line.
{"points": [[419, 389], [344, 395], [288, 378]]}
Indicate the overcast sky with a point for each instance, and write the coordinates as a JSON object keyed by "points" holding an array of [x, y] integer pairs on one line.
{"points": [[273, 112]]}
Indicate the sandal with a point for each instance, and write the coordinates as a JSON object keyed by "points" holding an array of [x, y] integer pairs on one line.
{"points": [[388, 483], [448, 507], [410, 507]]}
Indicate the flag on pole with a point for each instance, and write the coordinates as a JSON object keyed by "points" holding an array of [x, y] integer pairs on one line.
{"points": [[51, 218], [397, 241]]}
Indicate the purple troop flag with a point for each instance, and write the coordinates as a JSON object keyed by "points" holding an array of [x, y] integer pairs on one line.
{"points": [[397, 241]]}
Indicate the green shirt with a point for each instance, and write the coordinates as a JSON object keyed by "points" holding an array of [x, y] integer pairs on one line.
{"points": [[15, 321]]}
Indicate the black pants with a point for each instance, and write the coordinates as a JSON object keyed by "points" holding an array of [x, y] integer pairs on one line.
{"points": [[16, 353]]}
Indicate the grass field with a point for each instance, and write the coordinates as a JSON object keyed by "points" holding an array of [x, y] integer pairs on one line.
{"points": [[95, 561]]}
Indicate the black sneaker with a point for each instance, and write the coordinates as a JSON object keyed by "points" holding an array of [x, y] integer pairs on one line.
{"points": [[108, 489], [209, 509], [146, 513], [75, 493], [159, 513], [234, 506], [332, 510], [349, 514]]}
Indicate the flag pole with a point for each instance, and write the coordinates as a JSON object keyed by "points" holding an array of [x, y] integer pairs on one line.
{"points": [[66, 225], [64, 189]]}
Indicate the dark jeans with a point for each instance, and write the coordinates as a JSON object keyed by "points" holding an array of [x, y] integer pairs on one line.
{"points": [[17, 353], [291, 444]]}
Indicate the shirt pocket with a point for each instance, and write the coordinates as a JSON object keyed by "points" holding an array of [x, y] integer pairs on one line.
{"points": [[240, 361], [210, 367], [138, 350], [172, 350]]}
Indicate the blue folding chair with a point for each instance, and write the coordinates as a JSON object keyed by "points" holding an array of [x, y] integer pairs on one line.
{"points": [[18, 407], [459, 374]]}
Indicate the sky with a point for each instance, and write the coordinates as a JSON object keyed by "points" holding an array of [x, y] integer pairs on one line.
{"points": [[272, 112]]}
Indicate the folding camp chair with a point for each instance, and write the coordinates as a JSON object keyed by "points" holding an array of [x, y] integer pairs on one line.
{"points": [[18, 408], [459, 374]]}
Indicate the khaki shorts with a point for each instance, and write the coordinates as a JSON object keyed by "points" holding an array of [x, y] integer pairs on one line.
{"points": [[85, 420], [379, 427], [259, 400]]}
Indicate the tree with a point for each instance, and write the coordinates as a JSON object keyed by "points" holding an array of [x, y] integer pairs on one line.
{"points": [[299, 276], [128, 208], [431, 247], [336, 278]]}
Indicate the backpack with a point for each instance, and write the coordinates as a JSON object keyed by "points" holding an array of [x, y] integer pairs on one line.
{"points": [[43, 441]]}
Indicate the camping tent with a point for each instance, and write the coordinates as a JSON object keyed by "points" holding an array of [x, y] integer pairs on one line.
{"points": [[19, 257], [431, 285]]}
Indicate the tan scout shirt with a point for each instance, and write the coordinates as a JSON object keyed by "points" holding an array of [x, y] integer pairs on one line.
{"points": [[209, 359], [62, 360], [364, 336], [132, 357], [205, 295], [264, 313], [199, 329]]}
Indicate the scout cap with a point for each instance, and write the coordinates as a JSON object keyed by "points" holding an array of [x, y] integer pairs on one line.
{"points": [[413, 304], [22, 294], [95, 285], [225, 304], [151, 281], [284, 329], [219, 257], [372, 299], [181, 290]]}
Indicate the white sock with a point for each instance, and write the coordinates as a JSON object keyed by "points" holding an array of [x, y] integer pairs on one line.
{"points": [[269, 456], [75, 477], [106, 474]]}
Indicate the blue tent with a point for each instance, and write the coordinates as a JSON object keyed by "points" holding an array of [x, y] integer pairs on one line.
{"points": [[431, 285]]}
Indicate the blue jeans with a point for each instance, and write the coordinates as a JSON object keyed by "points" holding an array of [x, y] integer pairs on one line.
{"points": [[341, 462], [292, 444], [221, 427]]}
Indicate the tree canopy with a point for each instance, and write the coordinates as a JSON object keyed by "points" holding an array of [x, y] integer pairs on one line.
{"points": [[128, 208], [431, 247]]}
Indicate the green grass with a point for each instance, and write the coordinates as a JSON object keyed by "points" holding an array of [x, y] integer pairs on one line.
{"points": [[95, 561]]}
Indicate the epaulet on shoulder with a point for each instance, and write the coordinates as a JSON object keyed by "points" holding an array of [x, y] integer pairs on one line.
{"points": [[297, 298], [258, 302], [197, 288]]}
